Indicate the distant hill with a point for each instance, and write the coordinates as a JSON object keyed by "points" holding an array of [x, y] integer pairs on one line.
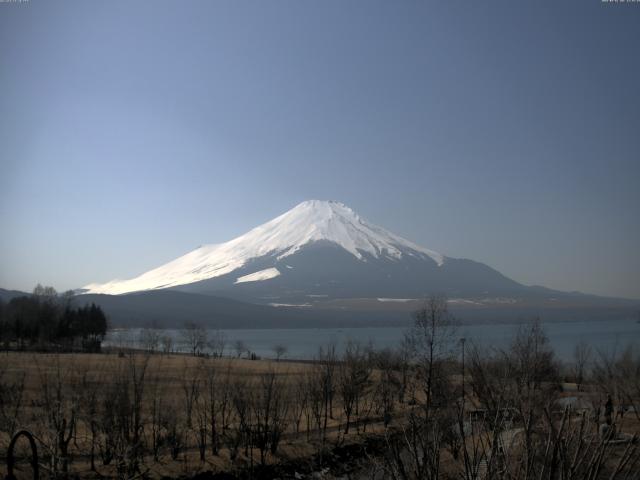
{"points": [[7, 295], [171, 309]]}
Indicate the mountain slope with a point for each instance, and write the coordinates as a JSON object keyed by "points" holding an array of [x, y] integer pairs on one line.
{"points": [[323, 270], [318, 250]]}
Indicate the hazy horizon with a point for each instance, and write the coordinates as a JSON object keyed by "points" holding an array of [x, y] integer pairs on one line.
{"points": [[132, 133]]}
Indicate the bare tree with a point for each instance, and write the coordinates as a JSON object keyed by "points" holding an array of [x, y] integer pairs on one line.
{"points": [[415, 450], [122, 340], [191, 390], [217, 344], [315, 399], [353, 378], [270, 413], [388, 383], [167, 344], [321, 383], [617, 373], [432, 340], [5, 329], [279, 350], [159, 411], [214, 396], [299, 395], [628, 374], [122, 421], [203, 419], [175, 436], [327, 366], [137, 369], [60, 405], [581, 359], [535, 443], [194, 337], [240, 347], [224, 397], [149, 339], [242, 407], [404, 355], [11, 400], [535, 379], [89, 405], [45, 293]]}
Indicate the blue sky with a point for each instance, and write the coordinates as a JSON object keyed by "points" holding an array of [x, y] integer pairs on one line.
{"points": [[506, 132]]}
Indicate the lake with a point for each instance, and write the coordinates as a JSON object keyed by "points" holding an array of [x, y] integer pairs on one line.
{"points": [[303, 343]]}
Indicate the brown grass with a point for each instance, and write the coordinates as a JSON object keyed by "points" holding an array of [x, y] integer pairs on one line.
{"points": [[165, 372]]}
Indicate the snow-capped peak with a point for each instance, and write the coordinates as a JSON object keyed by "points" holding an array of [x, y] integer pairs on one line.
{"points": [[317, 220], [310, 221]]}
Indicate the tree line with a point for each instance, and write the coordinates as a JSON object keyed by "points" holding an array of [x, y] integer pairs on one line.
{"points": [[46, 320]]}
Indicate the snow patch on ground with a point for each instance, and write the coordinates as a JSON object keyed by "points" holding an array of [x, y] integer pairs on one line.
{"points": [[499, 300], [289, 305], [259, 276], [396, 299], [462, 301]]}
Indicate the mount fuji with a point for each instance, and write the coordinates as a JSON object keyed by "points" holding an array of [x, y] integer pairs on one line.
{"points": [[317, 252], [320, 264]]}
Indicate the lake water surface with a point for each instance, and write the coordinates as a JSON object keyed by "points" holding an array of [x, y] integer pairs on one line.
{"points": [[303, 343]]}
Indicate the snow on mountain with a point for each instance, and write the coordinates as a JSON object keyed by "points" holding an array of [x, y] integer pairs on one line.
{"points": [[265, 274], [308, 222]]}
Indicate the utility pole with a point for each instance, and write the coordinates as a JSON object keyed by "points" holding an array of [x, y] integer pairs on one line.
{"points": [[462, 342]]}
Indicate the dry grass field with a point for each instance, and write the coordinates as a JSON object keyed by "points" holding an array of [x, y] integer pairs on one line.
{"points": [[364, 414], [77, 388]]}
